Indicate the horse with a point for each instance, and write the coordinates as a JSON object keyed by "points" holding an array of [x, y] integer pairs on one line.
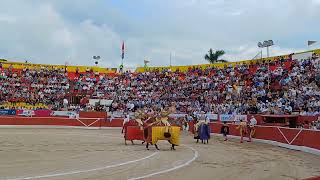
{"points": [[156, 133], [146, 136], [161, 129]]}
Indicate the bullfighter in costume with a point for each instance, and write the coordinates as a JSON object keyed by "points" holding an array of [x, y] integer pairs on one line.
{"points": [[202, 129], [136, 128], [243, 129], [195, 130], [251, 128], [225, 130]]}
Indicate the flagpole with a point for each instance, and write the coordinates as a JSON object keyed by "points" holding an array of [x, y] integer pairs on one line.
{"points": [[170, 59], [122, 52], [122, 56]]}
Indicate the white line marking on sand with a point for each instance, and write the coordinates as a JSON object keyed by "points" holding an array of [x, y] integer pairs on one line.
{"points": [[195, 156], [85, 171]]}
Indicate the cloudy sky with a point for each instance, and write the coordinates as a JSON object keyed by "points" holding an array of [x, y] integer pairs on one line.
{"points": [[59, 31]]}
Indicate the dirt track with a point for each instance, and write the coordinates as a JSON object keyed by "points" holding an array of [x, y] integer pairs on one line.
{"points": [[101, 154]]}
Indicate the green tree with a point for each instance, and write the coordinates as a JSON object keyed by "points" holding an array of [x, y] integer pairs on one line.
{"points": [[214, 57]]}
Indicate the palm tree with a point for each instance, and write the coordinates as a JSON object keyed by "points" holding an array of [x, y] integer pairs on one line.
{"points": [[213, 57]]}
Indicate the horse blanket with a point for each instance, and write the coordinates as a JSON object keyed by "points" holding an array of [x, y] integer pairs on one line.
{"points": [[156, 133]]}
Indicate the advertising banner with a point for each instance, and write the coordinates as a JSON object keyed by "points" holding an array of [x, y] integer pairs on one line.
{"points": [[7, 112], [227, 117], [212, 117], [42, 113], [233, 117], [26, 113], [240, 117]]}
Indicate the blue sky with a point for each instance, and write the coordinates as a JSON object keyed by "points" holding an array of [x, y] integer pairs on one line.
{"points": [[59, 31]]}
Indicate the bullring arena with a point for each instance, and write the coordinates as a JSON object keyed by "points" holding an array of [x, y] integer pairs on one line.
{"points": [[160, 90], [77, 151]]}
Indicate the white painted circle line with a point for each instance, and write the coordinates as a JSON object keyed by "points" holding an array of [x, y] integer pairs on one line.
{"points": [[195, 156], [88, 170]]}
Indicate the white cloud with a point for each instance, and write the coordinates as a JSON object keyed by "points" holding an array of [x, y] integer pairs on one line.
{"points": [[59, 31], [4, 18]]}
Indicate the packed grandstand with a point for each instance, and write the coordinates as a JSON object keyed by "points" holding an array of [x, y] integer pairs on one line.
{"points": [[280, 85]]}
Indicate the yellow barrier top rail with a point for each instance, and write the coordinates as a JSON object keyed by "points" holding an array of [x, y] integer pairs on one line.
{"points": [[70, 68], [218, 65]]}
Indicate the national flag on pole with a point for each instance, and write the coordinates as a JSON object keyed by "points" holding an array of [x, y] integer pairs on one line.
{"points": [[122, 50], [311, 42]]}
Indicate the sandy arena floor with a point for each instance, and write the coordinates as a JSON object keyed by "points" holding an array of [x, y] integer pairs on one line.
{"points": [[80, 154]]}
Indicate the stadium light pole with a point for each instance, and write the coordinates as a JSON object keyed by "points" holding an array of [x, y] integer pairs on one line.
{"points": [[96, 58], [267, 44]]}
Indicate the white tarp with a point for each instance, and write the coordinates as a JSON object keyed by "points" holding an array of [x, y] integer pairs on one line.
{"points": [[233, 117], [302, 56], [117, 114], [93, 102], [177, 115], [70, 114], [105, 102]]}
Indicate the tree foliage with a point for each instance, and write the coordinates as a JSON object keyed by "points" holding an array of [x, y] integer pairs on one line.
{"points": [[214, 57]]}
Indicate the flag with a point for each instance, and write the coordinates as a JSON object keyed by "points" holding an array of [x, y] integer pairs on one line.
{"points": [[311, 42], [122, 50], [146, 61]]}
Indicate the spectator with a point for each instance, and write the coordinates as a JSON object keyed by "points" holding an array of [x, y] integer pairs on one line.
{"points": [[293, 87]]}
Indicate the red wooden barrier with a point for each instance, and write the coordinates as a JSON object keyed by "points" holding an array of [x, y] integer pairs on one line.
{"points": [[299, 137], [92, 114], [58, 121]]}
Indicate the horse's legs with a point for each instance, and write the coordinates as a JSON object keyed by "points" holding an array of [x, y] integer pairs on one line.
{"points": [[197, 140], [132, 142], [207, 141], [172, 147], [156, 146], [143, 142], [147, 146]]}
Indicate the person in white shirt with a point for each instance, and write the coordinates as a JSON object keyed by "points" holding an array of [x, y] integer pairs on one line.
{"points": [[126, 119], [65, 103], [251, 127]]}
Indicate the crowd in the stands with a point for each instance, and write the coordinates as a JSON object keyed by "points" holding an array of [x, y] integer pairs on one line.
{"points": [[33, 86], [284, 86]]}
